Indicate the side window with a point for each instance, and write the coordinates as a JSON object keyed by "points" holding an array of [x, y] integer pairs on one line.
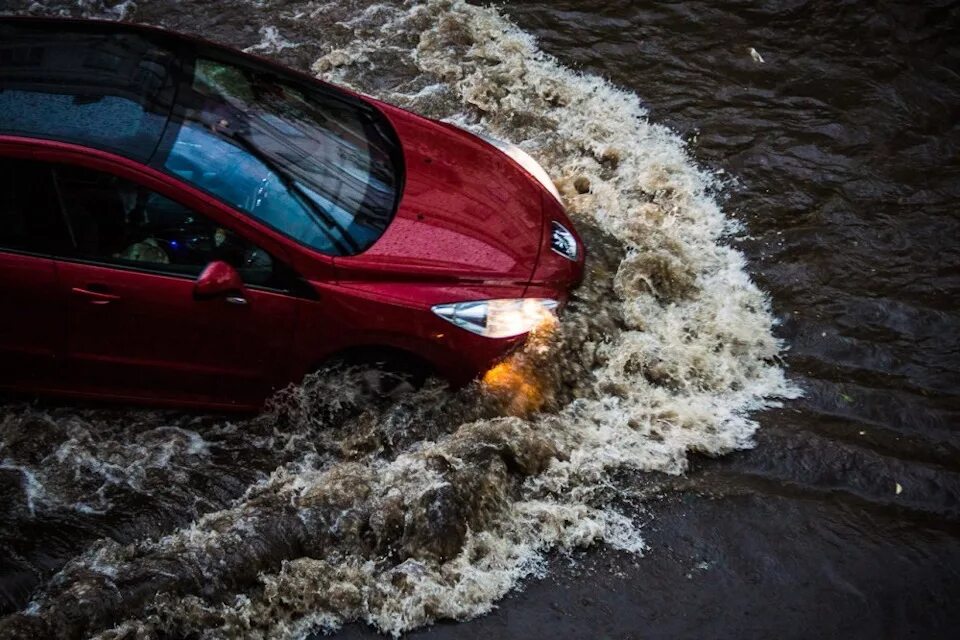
{"points": [[30, 217], [119, 222]]}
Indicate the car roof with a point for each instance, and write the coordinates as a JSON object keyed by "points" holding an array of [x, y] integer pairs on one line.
{"points": [[104, 85], [108, 85], [153, 96]]}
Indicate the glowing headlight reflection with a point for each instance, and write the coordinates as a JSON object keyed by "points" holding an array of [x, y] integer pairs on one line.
{"points": [[503, 318]]}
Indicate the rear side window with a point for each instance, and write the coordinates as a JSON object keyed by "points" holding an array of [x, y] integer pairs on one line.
{"points": [[30, 218], [119, 222]]}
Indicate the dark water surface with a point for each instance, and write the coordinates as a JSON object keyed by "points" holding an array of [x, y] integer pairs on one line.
{"points": [[840, 155], [846, 146]]}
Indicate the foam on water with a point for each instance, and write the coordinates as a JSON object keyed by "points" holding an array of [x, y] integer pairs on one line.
{"points": [[79, 461], [33, 490], [435, 506]]}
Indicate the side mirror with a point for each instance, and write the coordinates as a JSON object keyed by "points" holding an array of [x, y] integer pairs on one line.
{"points": [[219, 279]]}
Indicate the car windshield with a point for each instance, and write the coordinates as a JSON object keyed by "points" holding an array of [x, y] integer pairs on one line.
{"points": [[316, 167]]}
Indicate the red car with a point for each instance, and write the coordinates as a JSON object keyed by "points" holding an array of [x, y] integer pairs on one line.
{"points": [[182, 223]]}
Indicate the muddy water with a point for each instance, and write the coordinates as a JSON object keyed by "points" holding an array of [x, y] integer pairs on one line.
{"points": [[759, 225]]}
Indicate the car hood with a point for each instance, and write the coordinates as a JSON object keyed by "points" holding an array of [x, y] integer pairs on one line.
{"points": [[467, 212]]}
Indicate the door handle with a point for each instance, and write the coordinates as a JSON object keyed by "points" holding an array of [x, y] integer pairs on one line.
{"points": [[95, 297]]}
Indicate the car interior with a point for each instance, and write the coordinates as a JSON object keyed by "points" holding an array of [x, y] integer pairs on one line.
{"points": [[118, 221]]}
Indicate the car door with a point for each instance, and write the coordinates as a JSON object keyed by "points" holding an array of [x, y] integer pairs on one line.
{"points": [[135, 328], [31, 305]]}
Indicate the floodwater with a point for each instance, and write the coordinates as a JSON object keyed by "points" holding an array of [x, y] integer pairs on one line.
{"points": [[772, 217]]}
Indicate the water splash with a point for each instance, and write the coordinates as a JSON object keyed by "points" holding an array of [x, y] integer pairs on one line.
{"points": [[434, 506]]}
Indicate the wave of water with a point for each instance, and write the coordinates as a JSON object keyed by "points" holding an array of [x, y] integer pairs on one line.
{"points": [[435, 506]]}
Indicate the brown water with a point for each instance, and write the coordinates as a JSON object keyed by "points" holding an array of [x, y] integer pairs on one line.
{"points": [[633, 504]]}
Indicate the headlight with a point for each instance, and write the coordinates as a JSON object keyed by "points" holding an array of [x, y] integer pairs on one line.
{"points": [[498, 318], [530, 165]]}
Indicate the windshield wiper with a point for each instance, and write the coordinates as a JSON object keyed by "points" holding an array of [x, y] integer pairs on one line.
{"points": [[345, 244]]}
